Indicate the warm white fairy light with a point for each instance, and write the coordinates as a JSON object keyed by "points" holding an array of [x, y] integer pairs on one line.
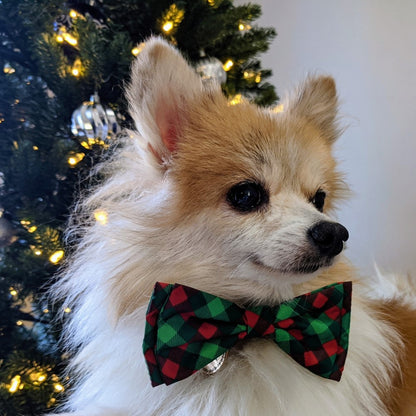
{"points": [[7, 69], [74, 14], [56, 257], [243, 27], [167, 26], [74, 159], [278, 108], [15, 383], [101, 217], [228, 65], [137, 49], [58, 387], [63, 35], [172, 18], [76, 69], [236, 99]]}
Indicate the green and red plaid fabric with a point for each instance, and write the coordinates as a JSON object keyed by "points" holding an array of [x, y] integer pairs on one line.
{"points": [[186, 329]]}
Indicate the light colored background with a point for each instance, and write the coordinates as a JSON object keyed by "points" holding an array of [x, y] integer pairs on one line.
{"points": [[369, 47]]}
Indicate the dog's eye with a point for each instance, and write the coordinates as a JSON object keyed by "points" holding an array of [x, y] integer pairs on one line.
{"points": [[319, 200], [247, 196]]}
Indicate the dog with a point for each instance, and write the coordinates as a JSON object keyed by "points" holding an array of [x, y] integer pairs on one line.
{"points": [[236, 201]]}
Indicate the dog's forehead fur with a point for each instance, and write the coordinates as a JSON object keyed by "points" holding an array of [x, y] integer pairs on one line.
{"points": [[222, 145]]}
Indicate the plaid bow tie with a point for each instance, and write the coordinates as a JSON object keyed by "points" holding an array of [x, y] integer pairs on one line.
{"points": [[186, 329]]}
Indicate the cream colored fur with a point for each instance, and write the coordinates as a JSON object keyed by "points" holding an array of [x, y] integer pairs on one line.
{"points": [[168, 221]]}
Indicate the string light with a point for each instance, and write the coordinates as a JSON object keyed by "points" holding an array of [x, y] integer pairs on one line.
{"points": [[70, 39], [51, 402], [74, 14], [56, 257], [136, 50], [19, 323], [76, 69], [7, 69], [63, 35], [37, 377], [58, 387], [172, 18], [75, 158], [101, 217], [228, 65], [235, 100], [168, 26], [242, 27], [67, 310], [258, 78], [15, 383], [248, 74], [28, 227], [13, 291], [35, 148], [278, 108], [37, 252]]}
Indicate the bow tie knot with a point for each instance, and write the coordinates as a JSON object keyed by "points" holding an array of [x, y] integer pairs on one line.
{"points": [[256, 326]]}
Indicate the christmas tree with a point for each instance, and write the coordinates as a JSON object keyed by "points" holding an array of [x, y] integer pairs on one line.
{"points": [[65, 64]]}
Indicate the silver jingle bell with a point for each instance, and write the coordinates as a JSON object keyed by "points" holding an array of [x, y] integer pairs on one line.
{"points": [[215, 365]]}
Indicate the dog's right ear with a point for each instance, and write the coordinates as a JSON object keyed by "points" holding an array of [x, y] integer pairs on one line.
{"points": [[162, 88]]}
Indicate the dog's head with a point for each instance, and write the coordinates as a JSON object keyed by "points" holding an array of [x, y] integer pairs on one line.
{"points": [[247, 192]]}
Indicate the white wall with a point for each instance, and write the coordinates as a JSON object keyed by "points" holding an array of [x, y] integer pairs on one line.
{"points": [[369, 47]]}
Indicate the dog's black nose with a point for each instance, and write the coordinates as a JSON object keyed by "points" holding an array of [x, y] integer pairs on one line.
{"points": [[329, 237]]}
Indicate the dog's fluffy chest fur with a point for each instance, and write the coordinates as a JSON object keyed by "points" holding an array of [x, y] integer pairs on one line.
{"points": [[258, 378]]}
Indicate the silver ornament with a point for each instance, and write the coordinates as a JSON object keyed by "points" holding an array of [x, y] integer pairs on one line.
{"points": [[211, 70], [92, 123]]}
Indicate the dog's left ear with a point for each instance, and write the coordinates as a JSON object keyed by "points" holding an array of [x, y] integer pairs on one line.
{"points": [[317, 101], [162, 89]]}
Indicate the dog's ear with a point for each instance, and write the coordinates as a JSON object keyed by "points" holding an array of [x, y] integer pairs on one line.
{"points": [[162, 87], [317, 101]]}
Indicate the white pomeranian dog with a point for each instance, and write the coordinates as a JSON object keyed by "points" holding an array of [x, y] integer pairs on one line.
{"points": [[233, 200]]}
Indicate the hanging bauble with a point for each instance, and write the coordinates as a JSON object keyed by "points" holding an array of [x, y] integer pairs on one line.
{"points": [[211, 69], [93, 124]]}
